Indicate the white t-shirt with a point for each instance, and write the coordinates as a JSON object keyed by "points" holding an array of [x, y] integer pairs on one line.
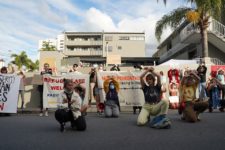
{"points": [[75, 107]]}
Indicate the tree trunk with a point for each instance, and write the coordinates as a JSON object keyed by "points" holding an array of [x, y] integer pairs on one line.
{"points": [[205, 50]]}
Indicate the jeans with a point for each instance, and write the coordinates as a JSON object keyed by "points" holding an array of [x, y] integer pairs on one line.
{"points": [[202, 90], [160, 108]]}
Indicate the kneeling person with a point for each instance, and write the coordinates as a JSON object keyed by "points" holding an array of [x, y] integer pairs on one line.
{"points": [[154, 105], [112, 105], [190, 106], [73, 108]]}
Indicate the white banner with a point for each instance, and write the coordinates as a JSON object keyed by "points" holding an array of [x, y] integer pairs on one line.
{"points": [[130, 92], [53, 86], [9, 90]]}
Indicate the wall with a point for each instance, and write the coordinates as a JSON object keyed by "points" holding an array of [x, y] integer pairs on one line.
{"points": [[216, 53]]}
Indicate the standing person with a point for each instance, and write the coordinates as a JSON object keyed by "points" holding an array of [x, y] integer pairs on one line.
{"points": [[4, 70], [221, 78], [137, 68], [115, 68], [80, 90], [191, 106], [112, 105], [94, 90], [154, 105], [174, 95], [73, 101], [22, 88], [162, 77], [74, 70], [47, 71], [202, 69], [214, 94]]}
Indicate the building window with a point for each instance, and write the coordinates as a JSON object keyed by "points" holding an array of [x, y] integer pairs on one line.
{"points": [[119, 47], [124, 38], [137, 38], [108, 38]]}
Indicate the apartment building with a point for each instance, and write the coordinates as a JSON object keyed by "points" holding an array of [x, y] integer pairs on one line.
{"points": [[97, 47], [103, 43], [185, 43]]}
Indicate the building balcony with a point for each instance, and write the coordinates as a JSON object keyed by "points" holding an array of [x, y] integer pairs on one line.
{"points": [[81, 53], [82, 43]]}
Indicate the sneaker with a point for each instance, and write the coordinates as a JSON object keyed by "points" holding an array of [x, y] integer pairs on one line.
{"points": [[46, 113], [41, 114]]}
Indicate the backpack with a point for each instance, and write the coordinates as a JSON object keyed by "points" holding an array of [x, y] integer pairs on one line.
{"points": [[160, 122]]}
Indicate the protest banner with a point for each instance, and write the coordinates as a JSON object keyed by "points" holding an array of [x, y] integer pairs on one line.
{"points": [[53, 86], [9, 90], [130, 92]]}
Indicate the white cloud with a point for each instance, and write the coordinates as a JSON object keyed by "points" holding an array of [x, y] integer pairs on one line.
{"points": [[25, 22], [98, 20]]}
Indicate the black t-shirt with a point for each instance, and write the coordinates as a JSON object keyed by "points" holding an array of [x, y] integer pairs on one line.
{"points": [[202, 74], [152, 93], [47, 72]]}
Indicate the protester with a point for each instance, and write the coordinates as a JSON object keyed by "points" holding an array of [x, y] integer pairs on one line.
{"points": [[74, 70], [71, 112], [202, 69], [174, 95], [221, 78], [112, 105], [191, 106], [4, 70], [94, 90], [47, 71], [137, 68], [214, 93], [80, 90], [115, 68], [154, 105], [22, 88], [173, 74]]}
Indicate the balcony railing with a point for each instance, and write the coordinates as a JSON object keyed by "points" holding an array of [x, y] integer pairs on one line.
{"points": [[82, 43], [215, 27], [83, 52]]}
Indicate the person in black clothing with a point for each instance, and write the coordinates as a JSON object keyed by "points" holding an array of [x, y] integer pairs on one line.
{"points": [[154, 105], [202, 69], [46, 71], [115, 68]]}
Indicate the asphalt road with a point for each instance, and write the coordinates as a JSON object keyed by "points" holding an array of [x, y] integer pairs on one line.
{"points": [[31, 132]]}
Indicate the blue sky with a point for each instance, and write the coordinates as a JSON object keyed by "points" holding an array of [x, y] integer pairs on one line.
{"points": [[24, 22]]}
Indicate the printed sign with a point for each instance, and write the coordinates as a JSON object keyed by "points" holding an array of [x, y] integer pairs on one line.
{"points": [[9, 90]]}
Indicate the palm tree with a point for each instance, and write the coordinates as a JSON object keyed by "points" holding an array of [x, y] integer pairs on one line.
{"points": [[199, 15], [33, 65], [20, 59], [47, 47]]}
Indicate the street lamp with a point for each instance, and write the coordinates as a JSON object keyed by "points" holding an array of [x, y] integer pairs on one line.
{"points": [[107, 47]]}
